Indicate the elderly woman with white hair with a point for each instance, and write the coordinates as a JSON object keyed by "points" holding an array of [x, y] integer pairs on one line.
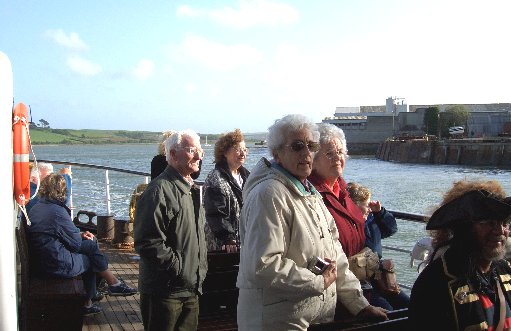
{"points": [[327, 171], [292, 267]]}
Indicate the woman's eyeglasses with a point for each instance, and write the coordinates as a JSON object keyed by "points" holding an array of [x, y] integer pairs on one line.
{"points": [[240, 150], [332, 154], [298, 145]]}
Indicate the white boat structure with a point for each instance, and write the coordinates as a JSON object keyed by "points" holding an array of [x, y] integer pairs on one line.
{"points": [[260, 143], [206, 143]]}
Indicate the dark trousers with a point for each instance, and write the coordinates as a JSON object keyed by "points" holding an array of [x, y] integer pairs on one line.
{"points": [[389, 301], [169, 314], [93, 261]]}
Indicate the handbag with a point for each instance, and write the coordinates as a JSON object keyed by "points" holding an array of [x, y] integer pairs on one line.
{"points": [[385, 279], [364, 264]]}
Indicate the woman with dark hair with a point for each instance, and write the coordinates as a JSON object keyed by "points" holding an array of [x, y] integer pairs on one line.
{"points": [[59, 250], [222, 192]]}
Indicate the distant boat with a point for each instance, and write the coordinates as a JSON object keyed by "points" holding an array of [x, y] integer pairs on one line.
{"points": [[206, 144], [261, 143]]}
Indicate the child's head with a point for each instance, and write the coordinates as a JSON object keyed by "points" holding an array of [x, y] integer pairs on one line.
{"points": [[361, 196]]}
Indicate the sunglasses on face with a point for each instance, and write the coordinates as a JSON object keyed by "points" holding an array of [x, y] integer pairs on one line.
{"points": [[298, 145]]}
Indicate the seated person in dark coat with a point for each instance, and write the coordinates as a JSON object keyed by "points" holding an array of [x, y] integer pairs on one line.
{"points": [[59, 250], [379, 224], [38, 172]]}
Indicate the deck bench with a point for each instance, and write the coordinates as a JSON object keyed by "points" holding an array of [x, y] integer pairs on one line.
{"points": [[220, 298], [398, 321], [46, 304]]}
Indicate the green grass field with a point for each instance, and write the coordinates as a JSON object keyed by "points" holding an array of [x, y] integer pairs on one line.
{"points": [[65, 136], [40, 136]]}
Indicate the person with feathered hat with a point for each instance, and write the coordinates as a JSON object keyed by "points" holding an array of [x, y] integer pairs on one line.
{"points": [[468, 287]]}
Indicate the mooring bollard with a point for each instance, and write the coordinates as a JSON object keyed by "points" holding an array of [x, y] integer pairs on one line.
{"points": [[105, 227], [122, 231]]}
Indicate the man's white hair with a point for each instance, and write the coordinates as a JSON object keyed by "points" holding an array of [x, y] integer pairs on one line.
{"points": [[45, 166], [174, 141]]}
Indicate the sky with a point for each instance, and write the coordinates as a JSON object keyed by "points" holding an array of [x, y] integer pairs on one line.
{"points": [[213, 66]]}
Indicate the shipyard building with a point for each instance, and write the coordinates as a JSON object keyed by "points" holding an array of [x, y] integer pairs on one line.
{"points": [[366, 127]]}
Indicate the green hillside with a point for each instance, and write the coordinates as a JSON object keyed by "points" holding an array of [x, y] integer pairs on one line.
{"points": [[66, 136], [41, 136]]}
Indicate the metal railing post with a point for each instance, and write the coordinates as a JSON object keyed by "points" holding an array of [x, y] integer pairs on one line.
{"points": [[71, 194], [107, 190]]}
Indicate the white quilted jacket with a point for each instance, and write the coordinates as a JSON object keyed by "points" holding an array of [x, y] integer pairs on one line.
{"points": [[282, 228]]}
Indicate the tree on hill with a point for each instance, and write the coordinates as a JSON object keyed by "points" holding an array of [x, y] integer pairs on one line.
{"points": [[44, 123]]}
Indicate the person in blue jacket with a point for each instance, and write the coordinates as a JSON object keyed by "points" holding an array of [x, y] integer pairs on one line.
{"points": [[59, 250], [379, 224]]}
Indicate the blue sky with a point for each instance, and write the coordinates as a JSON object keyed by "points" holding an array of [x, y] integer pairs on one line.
{"points": [[218, 65]]}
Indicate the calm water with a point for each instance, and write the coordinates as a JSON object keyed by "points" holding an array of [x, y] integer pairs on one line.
{"points": [[405, 187]]}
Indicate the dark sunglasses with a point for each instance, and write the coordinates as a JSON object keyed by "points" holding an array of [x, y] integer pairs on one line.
{"points": [[298, 145]]}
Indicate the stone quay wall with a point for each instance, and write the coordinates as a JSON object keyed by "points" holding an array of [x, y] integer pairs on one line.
{"points": [[477, 152]]}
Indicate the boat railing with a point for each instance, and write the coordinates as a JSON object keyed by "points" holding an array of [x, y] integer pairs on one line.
{"points": [[102, 194], [108, 186], [409, 217]]}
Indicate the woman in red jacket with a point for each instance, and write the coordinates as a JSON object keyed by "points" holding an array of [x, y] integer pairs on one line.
{"points": [[326, 176]]}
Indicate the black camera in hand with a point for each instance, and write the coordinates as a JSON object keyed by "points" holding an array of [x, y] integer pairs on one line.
{"points": [[318, 265]]}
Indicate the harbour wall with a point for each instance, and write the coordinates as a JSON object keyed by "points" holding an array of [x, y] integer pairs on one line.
{"points": [[459, 151]]}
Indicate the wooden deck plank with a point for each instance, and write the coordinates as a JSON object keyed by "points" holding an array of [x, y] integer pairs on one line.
{"points": [[123, 313], [119, 313]]}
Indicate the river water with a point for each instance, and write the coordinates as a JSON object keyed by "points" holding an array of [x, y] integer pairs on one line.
{"points": [[405, 187]]}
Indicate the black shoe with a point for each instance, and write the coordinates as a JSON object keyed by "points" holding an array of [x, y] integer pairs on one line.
{"points": [[99, 296], [122, 289], [92, 310], [102, 286]]}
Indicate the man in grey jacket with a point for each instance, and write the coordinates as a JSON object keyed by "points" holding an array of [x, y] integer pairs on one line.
{"points": [[169, 236]]}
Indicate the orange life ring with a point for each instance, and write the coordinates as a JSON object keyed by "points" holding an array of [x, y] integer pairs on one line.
{"points": [[21, 142]]}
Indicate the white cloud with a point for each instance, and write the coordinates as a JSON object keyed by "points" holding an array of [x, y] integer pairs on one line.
{"points": [[215, 91], [190, 87], [187, 11], [69, 40], [144, 69], [249, 13], [83, 66], [219, 56]]}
